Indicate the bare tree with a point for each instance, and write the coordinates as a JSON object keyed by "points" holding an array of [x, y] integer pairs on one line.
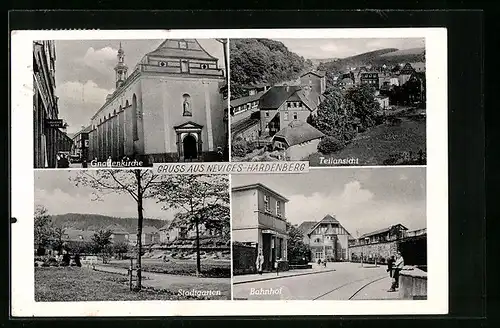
{"points": [[138, 184], [201, 199]]}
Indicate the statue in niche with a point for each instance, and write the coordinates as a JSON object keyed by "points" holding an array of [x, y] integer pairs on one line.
{"points": [[186, 106]]}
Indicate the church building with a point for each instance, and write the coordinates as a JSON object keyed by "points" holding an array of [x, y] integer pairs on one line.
{"points": [[169, 109]]}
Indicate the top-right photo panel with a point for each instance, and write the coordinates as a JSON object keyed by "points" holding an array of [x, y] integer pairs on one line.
{"points": [[332, 102]]}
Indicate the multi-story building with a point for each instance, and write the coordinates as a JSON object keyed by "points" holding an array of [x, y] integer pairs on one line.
{"points": [[259, 219], [327, 239], [370, 78], [346, 81], [81, 143], [245, 117], [170, 108], [118, 234], [316, 80], [48, 137], [282, 104]]}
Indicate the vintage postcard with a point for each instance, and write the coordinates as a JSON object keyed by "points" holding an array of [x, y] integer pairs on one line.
{"points": [[229, 172]]}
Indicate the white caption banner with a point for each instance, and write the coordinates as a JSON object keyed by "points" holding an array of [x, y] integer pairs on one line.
{"points": [[232, 168]]}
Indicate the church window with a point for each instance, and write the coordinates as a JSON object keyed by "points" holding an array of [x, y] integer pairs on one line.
{"points": [[186, 105], [135, 132], [183, 44], [162, 64], [204, 66], [286, 116], [295, 116]]}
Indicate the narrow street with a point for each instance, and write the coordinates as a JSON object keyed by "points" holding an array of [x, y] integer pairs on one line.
{"points": [[348, 281]]}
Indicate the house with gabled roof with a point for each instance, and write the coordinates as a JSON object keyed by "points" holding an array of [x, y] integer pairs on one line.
{"points": [[327, 239], [118, 233], [299, 140]]}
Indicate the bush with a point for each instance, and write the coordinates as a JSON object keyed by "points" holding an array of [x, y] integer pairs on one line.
{"points": [[239, 148], [330, 144]]}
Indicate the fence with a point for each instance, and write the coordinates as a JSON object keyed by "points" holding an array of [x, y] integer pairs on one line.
{"points": [[244, 257]]}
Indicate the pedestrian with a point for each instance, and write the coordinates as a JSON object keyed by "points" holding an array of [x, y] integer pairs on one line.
{"points": [[77, 260], [390, 264], [84, 164], [398, 266], [259, 262]]}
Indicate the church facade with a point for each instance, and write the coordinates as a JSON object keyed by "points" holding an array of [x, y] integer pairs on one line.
{"points": [[168, 109]]}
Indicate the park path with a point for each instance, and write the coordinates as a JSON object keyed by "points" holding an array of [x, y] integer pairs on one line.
{"points": [[163, 280]]}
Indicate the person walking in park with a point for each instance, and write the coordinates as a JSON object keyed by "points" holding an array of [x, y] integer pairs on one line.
{"points": [[398, 266], [259, 262]]}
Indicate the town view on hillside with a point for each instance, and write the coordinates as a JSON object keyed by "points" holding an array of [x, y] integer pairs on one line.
{"points": [[354, 235], [117, 235], [106, 102], [362, 103]]}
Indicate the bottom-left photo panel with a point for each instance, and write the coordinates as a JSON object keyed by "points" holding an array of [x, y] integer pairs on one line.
{"points": [[131, 235]]}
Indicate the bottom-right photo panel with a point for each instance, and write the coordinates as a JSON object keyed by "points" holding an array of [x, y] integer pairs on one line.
{"points": [[330, 234]]}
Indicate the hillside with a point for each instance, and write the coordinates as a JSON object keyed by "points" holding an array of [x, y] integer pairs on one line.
{"points": [[388, 56], [95, 222], [257, 61]]}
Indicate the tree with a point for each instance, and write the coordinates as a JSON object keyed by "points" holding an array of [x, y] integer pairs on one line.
{"points": [[296, 249], [201, 200], [101, 242], [365, 106], [58, 238], [138, 184], [120, 248], [43, 229]]}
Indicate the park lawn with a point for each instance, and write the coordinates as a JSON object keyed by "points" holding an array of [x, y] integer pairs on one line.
{"points": [[62, 284], [209, 269], [376, 145]]}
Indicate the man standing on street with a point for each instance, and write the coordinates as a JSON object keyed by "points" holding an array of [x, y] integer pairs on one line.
{"points": [[259, 262], [398, 266]]}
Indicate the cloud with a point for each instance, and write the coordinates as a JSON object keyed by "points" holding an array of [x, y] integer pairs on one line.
{"points": [[101, 59], [356, 209], [118, 205], [79, 93]]}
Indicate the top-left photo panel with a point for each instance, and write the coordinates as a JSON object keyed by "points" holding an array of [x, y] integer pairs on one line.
{"points": [[129, 103]]}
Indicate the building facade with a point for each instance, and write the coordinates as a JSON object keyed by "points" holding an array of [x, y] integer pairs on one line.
{"points": [[48, 137], [259, 219], [370, 78], [316, 80], [327, 239], [170, 108], [81, 144]]}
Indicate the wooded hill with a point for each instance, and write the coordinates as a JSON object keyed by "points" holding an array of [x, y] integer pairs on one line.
{"points": [[257, 61], [388, 56], [96, 222]]}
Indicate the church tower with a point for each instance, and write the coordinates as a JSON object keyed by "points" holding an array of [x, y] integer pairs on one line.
{"points": [[121, 68]]}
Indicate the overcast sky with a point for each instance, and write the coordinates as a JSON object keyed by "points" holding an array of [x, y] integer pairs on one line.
{"points": [[362, 200], [55, 191], [340, 48], [85, 75]]}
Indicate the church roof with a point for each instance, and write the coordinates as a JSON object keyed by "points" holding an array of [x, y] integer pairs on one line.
{"points": [[171, 48]]}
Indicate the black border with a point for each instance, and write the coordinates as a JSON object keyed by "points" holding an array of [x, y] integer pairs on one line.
{"points": [[466, 128]]}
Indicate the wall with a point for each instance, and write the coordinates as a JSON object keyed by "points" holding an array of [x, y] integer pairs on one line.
{"points": [[244, 258], [302, 114], [251, 133], [163, 108], [303, 150], [317, 83], [384, 250], [264, 120], [244, 222], [413, 284]]}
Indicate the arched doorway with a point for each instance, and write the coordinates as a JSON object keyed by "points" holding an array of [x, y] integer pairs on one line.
{"points": [[190, 147]]}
